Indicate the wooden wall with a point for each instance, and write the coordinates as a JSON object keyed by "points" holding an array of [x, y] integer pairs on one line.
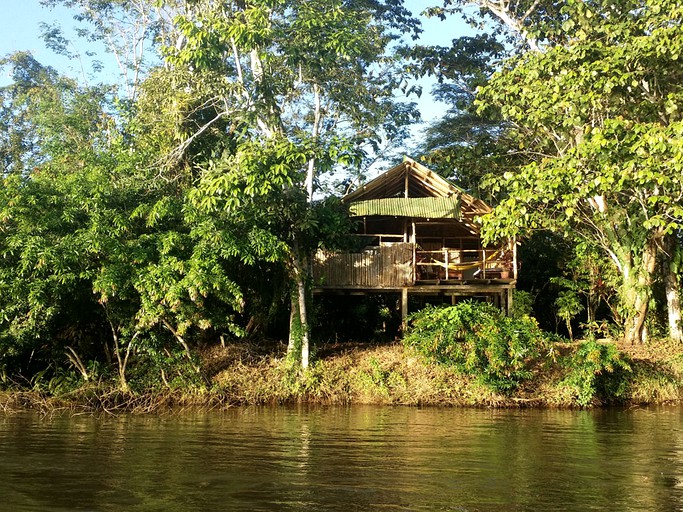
{"points": [[386, 266]]}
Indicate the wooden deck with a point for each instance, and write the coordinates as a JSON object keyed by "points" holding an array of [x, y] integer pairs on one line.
{"points": [[462, 288], [398, 265], [401, 268]]}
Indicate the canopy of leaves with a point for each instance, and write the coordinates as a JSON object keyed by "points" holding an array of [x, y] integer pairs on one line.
{"points": [[599, 119], [131, 227]]}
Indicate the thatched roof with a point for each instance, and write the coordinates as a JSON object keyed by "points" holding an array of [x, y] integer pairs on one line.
{"points": [[386, 195]]}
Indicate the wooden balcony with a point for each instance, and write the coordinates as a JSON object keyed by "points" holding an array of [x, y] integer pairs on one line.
{"points": [[463, 265], [396, 265]]}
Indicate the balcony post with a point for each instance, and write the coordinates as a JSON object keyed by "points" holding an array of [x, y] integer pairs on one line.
{"points": [[404, 308]]}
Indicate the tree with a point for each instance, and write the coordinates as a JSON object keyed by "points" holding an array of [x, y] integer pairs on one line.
{"points": [[463, 145], [672, 264], [127, 29], [50, 123], [307, 84], [594, 108], [101, 253], [43, 114], [567, 307]]}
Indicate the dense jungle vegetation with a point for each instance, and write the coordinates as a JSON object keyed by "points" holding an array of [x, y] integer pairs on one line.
{"points": [[156, 233]]}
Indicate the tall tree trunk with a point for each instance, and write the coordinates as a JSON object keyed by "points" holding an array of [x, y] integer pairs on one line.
{"points": [[301, 270], [299, 329], [590, 307], [122, 359], [593, 295], [673, 256], [637, 302], [636, 293], [303, 317], [568, 322], [294, 327]]}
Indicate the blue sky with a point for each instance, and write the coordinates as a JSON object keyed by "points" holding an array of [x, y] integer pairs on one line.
{"points": [[20, 30]]}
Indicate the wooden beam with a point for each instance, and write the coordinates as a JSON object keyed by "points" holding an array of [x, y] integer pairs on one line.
{"points": [[514, 258], [404, 309]]}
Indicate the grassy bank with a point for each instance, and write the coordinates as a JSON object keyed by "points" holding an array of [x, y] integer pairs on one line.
{"points": [[398, 375], [347, 373]]}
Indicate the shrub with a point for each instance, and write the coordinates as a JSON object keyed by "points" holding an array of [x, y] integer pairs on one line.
{"points": [[156, 367], [479, 340], [598, 372], [522, 303]]}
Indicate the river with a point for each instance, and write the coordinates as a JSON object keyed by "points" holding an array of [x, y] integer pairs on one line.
{"points": [[345, 458]]}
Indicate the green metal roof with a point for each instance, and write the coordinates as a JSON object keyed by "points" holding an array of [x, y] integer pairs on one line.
{"points": [[419, 207]]}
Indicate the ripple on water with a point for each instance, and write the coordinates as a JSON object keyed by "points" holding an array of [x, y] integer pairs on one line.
{"points": [[346, 458]]}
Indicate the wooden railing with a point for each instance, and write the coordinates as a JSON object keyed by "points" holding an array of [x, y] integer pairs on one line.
{"points": [[457, 264], [400, 264]]}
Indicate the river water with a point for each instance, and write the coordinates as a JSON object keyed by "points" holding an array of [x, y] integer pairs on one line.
{"points": [[346, 458]]}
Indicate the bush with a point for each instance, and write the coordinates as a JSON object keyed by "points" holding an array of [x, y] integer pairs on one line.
{"points": [[522, 303], [598, 372], [156, 367], [479, 340]]}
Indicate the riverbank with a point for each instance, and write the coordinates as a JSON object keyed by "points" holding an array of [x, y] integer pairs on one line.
{"points": [[383, 374], [396, 375]]}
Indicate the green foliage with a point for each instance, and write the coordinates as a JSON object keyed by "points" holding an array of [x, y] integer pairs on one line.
{"points": [[568, 305], [98, 251], [277, 57], [598, 372], [48, 190], [159, 367], [45, 116], [596, 115], [522, 304], [479, 340], [463, 145], [55, 381]]}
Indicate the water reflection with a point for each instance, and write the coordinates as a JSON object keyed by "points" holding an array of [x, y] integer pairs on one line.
{"points": [[346, 458]]}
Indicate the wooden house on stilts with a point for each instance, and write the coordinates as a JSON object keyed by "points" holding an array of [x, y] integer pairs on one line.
{"points": [[420, 238]]}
